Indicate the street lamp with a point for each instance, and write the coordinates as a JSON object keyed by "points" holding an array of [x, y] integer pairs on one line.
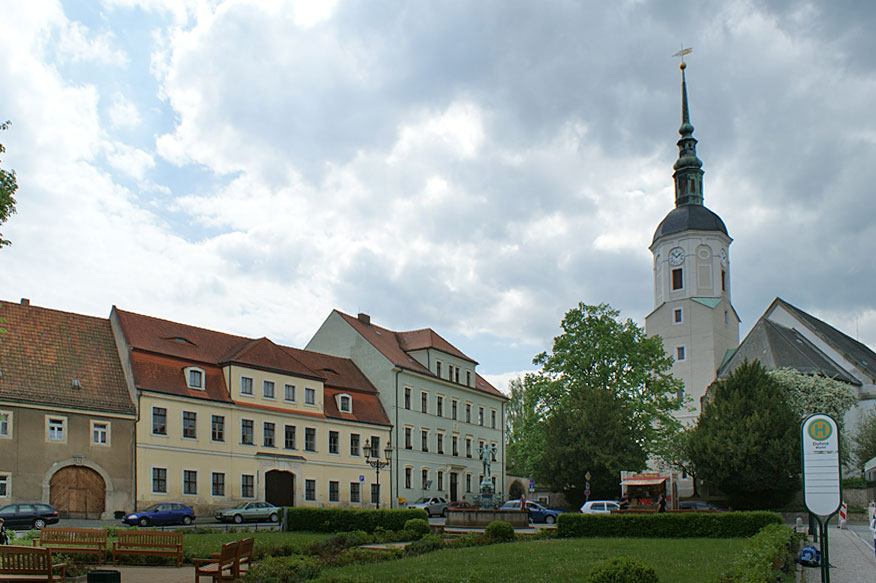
{"points": [[372, 458]]}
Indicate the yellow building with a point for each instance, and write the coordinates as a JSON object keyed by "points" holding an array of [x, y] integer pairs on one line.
{"points": [[224, 419]]}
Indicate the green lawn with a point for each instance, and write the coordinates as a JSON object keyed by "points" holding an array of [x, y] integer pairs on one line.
{"points": [[201, 545], [548, 561]]}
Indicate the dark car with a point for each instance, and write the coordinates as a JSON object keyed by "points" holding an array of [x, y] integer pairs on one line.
{"points": [[28, 515], [537, 512], [164, 513], [700, 505]]}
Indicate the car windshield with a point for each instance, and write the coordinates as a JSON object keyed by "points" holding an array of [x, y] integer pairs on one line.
{"points": [[242, 505], [422, 500], [152, 508]]}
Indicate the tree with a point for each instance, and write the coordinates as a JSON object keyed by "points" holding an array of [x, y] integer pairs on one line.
{"points": [[746, 441], [8, 186], [605, 383], [864, 440], [815, 393]]}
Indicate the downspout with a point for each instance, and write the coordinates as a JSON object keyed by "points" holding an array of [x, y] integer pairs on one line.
{"points": [[393, 433], [504, 454], [134, 447]]}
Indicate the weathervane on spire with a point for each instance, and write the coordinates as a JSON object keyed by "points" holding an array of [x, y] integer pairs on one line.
{"points": [[682, 53]]}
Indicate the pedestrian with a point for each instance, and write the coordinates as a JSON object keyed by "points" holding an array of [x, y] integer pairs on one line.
{"points": [[661, 503], [624, 502], [873, 528], [4, 536]]}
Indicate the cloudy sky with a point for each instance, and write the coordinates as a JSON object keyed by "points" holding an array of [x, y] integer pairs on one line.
{"points": [[475, 167]]}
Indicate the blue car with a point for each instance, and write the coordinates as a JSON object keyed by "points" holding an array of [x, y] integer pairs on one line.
{"points": [[537, 512], [164, 513]]}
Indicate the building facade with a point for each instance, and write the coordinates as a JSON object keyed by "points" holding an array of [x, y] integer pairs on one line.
{"points": [[66, 415], [442, 411]]}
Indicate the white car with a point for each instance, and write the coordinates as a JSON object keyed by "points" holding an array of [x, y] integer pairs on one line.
{"points": [[433, 506], [600, 507]]}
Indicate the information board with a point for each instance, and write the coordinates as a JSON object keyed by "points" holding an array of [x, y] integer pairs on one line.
{"points": [[821, 464]]}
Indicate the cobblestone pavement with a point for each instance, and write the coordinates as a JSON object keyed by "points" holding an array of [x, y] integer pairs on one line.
{"points": [[851, 557]]}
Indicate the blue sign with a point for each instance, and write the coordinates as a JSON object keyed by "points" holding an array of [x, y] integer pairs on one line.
{"points": [[361, 478]]}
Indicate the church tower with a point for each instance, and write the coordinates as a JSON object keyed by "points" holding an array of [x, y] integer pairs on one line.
{"points": [[691, 248]]}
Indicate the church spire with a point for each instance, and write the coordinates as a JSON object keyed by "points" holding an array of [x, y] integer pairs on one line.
{"points": [[688, 168]]}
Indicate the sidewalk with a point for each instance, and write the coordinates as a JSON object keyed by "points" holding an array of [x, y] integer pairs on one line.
{"points": [[144, 574], [851, 557]]}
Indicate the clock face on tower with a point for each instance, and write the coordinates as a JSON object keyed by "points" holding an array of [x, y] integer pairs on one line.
{"points": [[676, 256]]}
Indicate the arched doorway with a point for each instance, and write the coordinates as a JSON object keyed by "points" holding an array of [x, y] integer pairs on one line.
{"points": [[280, 488], [77, 492]]}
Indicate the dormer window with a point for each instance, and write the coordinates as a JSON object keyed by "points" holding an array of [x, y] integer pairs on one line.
{"points": [[194, 377], [345, 403]]}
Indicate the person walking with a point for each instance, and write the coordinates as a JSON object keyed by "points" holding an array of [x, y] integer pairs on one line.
{"points": [[4, 536], [873, 528], [661, 503]]}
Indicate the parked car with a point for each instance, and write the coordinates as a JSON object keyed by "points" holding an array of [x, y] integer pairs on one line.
{"points": [[434, 506], [599, 507], [537, 512], [27, 515], [249, 511], [700, 505], [164, 513]]}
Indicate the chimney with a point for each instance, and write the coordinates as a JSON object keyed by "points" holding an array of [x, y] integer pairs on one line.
{"points": [[365, 319], [25, 302]]}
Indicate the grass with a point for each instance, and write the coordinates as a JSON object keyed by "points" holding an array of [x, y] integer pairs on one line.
{"points": [[201, 545], [548, 561]]}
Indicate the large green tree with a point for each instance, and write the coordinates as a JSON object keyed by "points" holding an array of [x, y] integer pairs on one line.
{"points": [[607, 384], [8, 186], [746, 441]]}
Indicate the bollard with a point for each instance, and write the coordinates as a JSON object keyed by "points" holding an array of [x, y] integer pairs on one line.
{"points": [[798, 525], [843, 515]]}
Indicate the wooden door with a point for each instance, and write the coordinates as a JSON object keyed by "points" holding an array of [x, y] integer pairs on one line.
{"points": [[280, 488], [77, 492]]}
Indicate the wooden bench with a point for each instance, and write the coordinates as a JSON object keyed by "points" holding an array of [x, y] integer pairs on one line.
{"points": [[223, 567], [74, 540], [19, 564], [244, 555], [152, 543]]}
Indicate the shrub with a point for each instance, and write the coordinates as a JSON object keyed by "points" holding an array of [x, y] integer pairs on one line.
{"points": [[666, 525], [348, 519], [764, 557], [283, 570], [418, 526], [362, 557], [622, 570], [499, 530], [427, 544]]}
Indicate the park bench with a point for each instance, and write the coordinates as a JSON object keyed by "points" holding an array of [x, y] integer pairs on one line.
{"points": [[224, 565], [19, 564], [152, 543], [74, 540], [244, 555]]}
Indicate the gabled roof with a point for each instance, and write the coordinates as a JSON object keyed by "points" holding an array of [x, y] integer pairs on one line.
{"points": [[264, 354], [428, 338], [777, 346], [854, 351], [43, 351]]}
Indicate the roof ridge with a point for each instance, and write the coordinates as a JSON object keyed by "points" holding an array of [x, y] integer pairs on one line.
{"points": [[175, 323]]}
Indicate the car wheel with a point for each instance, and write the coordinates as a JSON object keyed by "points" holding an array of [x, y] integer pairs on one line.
{"points": [[238, 519], [39, 523], [549, 519], [143, 521], [187, 519], [273, 517], [444, 513]]}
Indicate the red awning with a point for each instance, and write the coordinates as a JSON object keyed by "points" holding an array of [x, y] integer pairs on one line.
{"points": [[643, 481]]}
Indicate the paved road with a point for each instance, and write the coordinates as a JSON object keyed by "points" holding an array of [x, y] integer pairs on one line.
{"points": [[851, 556]]}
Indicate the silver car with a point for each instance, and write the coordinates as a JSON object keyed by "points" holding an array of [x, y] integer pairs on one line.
{"points": [[600, 507], [433, 506], [256, 511]]}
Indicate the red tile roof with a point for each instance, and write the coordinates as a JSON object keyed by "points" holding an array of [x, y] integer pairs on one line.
{"points": [[43, 351], [428, 338], [264, 354]]}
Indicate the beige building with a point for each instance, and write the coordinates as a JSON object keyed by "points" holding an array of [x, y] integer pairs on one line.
{"points": [[66, 416], [225, 419]]}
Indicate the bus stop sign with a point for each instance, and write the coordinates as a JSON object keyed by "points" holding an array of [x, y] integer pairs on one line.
{"points": [[821, 464]]}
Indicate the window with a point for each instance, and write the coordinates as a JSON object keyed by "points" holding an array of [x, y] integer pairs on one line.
{"points": [[439, 406], [289, 393], [189, 422], [493, 418], [4, 486], [246, 431], [245, 386], [424, 402], [438, 368], [677, 316], [190, 482], [334, 442], [726, 317], [217, 428], [468, 482], [309, 439], [218, 481], [679, 353], [334, 491], [453, 405], [424, 440], [407, 398], [408, 439], [56, 428], [468, 447], [195, 378], [5, 424], [467, 413], [345, 404], [723, 280], [268, 434], [468, 377], [375, 445], [354, 444], [310, 490], [480, 415], [424, 479], [375, 493], [441, 443], [677, 279], [455, 442], [159, 480], [440, 480], [100, 432], [408, 473], [268, 389], [456, 374], [247, 486], [159, 421], [289, 437], [355, 493], [309, 396]]}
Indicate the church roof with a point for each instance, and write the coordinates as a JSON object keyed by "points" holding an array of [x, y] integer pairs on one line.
{"points": [[689, 217]]}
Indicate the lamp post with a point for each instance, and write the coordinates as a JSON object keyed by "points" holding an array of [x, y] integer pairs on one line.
{"points": [[372, 458]]}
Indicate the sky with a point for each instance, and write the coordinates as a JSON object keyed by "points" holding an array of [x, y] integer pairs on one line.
{"points": [[474, 167]]}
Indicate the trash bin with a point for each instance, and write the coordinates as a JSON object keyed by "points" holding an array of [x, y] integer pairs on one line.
{"points": [[104, 576]]}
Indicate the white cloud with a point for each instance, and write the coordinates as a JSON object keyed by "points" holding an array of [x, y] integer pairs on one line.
{"points": [[132, 161], [76, 44], [123, 113]]}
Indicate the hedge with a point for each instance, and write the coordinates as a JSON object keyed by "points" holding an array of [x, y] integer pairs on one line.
{"points": [[666, 525], [764, 557], [348, 519]]}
